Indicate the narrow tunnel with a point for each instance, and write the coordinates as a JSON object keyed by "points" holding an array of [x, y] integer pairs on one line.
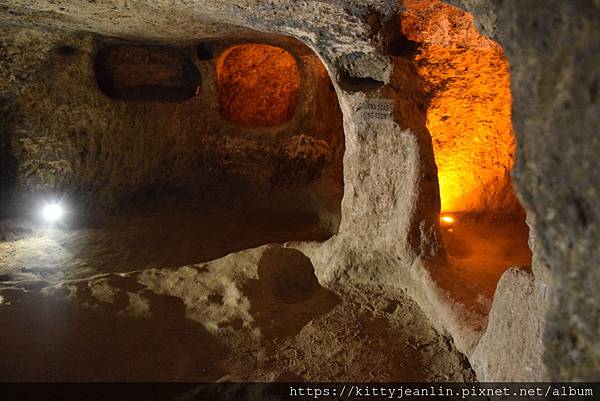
{"points": [[467, 82]]}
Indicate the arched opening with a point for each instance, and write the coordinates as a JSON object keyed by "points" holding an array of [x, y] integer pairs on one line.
{"points": [[467, 81], [154, 172], [226, 187], [258, 84]]}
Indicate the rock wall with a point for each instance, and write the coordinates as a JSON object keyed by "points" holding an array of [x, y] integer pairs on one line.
{"points": [[69, 138], [553, 50], [389, 226], [391, 201], [469, 108]]}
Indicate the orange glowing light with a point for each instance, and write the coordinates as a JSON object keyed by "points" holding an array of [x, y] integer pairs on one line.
{"points": [[469, 115], [447, 219], [258, 84]]}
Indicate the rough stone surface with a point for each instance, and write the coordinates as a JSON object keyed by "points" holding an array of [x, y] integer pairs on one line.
{"points": [[484, 12], [185, 21], [258, 84], [553, 50], [66, 136], [469, 111], [223, 320], [514, 332], [389, 230]]}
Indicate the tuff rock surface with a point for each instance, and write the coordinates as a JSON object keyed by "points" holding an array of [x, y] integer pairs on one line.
{"points": [[388, 241]]}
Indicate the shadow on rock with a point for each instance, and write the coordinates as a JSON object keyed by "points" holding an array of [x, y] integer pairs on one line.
{"points": [[286, 295], [48, 339]]}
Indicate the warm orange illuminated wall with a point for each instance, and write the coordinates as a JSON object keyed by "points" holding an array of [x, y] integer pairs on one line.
{"points": [[258, 84], [469, 116]]}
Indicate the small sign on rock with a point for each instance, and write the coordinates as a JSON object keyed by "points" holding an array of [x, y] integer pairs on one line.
{"points": [[375, 109]]}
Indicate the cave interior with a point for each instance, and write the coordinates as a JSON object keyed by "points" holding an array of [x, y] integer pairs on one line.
{"points": [[207, 197]]}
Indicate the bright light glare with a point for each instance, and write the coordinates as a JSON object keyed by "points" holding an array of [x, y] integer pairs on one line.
{"points": [[447, 219], [53, 212]]}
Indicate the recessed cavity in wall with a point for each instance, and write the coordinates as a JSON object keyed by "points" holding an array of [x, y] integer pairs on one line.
{"points": [[146, 73], [467, 80], [205, 51], [66, 50], [177, 160], [258, 84]]}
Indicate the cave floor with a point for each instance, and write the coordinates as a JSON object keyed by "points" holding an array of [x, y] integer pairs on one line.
{"points": [[152, 237], [335, 339], [134, 301], [479, 251]]}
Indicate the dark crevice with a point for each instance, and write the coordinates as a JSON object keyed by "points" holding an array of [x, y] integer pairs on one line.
{"points": [[205, 51], [358, 84], [66, 50]]}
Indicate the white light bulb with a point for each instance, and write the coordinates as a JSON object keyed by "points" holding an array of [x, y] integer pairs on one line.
{"points": [[53, 212]]}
